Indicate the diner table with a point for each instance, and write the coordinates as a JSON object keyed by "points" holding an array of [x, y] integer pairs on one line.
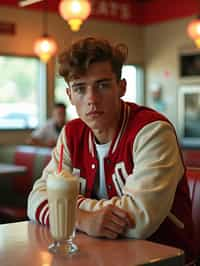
{"points": [[7, 170], [26, 243]]}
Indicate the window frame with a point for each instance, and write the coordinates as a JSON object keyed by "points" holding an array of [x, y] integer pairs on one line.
{"points": [[41, 93]]}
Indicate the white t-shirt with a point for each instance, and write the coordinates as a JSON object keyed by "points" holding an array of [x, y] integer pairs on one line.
{"points": [[100, 185]]}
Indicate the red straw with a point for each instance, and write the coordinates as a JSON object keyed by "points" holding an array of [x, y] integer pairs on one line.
{"points": [[61, 158]]}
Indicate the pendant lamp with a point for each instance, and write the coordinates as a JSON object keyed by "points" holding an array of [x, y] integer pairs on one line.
{"points": [[75, 12], [45, 46], [193, 30]]}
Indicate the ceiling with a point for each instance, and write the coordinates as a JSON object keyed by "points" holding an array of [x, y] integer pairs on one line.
{"points": [[52, 4], [144, 11]]}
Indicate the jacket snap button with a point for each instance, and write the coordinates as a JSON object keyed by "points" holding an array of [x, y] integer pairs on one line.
{"points": [[93, 166]]}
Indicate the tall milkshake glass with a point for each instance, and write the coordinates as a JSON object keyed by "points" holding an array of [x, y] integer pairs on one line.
{"points": [[62, 190]]}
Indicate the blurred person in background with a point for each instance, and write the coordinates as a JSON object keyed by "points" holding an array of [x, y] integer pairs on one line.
{"points": [[47, 135], [158, 102]]}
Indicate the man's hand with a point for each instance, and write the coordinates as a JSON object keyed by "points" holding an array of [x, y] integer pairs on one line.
{"points": [[109, 222]]}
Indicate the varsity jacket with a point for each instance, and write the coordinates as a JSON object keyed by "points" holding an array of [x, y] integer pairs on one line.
{"points": [[144, 175]]}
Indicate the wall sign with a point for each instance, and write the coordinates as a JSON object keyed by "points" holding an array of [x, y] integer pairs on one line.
{"points": [[121, 11], [7, 28]]}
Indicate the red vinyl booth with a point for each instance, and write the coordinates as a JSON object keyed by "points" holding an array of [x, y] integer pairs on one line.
{"points": [[193, 177]]}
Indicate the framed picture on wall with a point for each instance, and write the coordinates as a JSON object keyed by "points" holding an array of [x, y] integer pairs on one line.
{"points": [[189, 63]]}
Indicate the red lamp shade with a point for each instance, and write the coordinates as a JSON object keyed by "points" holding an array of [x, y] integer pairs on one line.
{"points": [[75, 12], [194, 31], [45, 47]]}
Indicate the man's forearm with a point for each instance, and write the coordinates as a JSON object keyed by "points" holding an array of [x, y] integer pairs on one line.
{"points": [[109, 222]]}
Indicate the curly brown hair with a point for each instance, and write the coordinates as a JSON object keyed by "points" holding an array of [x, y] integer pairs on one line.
{"points": [[76, 59]]}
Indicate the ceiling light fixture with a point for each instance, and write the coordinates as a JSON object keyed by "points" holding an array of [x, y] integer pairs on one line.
{"points": [[45, 46], [75, 12], [193, 30]]}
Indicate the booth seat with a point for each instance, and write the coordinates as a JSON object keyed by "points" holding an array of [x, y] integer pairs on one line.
{"points": [[191, 157], [193, 178], [14, 190]]}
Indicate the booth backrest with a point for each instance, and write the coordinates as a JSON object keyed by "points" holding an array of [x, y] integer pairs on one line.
{"points": [[193, 177], [14, 190], [33, 158]]}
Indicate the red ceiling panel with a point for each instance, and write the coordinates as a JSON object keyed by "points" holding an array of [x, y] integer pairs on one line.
{"points": [[52, 4], [155, 11], [144, 11]]}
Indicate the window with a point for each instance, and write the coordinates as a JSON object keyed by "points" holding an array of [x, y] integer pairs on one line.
{"points": [[134, 92], [20, 92], [129, 73]]}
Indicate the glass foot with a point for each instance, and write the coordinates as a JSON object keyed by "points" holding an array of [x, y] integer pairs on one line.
{"points": [[63, 248]]}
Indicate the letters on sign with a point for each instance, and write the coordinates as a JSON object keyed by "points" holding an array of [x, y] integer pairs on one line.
{"points": [[113, 10]]}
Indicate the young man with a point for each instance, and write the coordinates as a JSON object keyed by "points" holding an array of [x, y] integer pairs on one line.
{"points": [[127, 157], [47, 135]]}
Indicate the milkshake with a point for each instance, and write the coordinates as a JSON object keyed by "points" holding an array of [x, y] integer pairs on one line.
{"points": [[62, 190]]}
